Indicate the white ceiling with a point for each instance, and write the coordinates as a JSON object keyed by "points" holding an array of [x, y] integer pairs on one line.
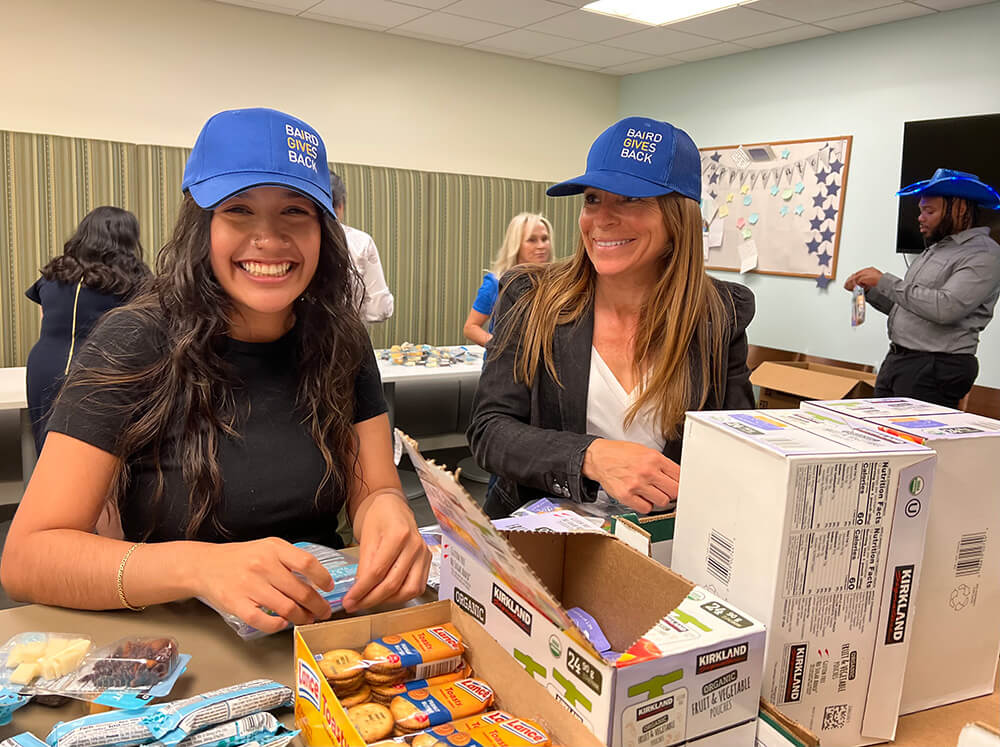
{"points": [[557, 32]]}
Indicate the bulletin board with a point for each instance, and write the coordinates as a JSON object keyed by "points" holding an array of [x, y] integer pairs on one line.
{"points": [[775, 208]]}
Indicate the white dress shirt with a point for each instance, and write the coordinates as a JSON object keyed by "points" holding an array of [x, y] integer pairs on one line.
{"points": [[378, 301]]}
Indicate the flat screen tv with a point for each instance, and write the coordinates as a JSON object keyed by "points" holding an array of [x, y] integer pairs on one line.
{"points": [[962, 143]]}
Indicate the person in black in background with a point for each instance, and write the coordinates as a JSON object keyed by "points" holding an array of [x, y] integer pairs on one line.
{"points": [[100, 268]]}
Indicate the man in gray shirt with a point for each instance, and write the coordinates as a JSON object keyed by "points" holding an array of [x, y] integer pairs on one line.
{"points": [[946, 299]]}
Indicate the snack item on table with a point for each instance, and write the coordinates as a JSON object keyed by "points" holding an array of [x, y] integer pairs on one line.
{"points": [[384, 693], [492, 729], [24, 739], [341, 665], [133, 663], [515, 732], [362, 695], [373, 721], [45, 655], [420, 709]]}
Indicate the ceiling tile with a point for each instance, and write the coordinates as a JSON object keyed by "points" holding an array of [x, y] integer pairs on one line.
{"points": [[731, 24], [379, 14], [950, 4], [509, 12], [588, 27], [658, 41], [642, 66], [428, 4], [567, 63], [598, 55], [890, 13], [450, 29], [785, 36], [291, 7], [524, 43], [816, 10], [712, 50]]}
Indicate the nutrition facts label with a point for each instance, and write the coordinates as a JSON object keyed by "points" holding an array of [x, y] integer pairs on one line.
{"points": [[840, 532]]}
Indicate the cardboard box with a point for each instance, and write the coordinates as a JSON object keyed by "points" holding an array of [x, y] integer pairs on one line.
{"points": [[808, 530], [324, 722], [691, 664], [785, 385], [650, 535], [956, 636]]}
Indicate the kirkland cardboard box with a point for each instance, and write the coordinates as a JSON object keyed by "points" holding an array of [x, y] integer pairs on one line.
{"points": [[323, 720], [775, 729], [689, 665], [650, 535], [821, 538], [785, 385], [956, 634]]}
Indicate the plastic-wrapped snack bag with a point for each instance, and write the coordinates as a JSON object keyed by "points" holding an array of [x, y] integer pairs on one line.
{"points": [[343, 570], [261, 728], [171, 723], [25, 739], [30, 659], [857, 306]]}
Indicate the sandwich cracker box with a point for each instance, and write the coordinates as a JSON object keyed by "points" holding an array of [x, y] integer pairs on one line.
{"points": [[323, 719], [683, 666], [956, 636], [818, 531]]}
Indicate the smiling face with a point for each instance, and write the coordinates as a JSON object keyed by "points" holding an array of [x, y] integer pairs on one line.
{"points": [[265, 248], [625, 237], [536, 245]]}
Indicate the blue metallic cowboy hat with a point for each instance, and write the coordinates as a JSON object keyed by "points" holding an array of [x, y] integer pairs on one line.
{"points": [[951, 183]]}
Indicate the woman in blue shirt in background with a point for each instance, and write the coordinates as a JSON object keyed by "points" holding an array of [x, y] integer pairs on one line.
{"points": [[100, 268], [528, 240]]}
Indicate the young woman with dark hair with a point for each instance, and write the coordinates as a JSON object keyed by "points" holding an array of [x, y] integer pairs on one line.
{"points": [[100, 268], [233, 408]]}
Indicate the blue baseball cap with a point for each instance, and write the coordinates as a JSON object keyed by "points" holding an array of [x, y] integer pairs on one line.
{"points": [[951, 183], [639, 157], [243, 148]]}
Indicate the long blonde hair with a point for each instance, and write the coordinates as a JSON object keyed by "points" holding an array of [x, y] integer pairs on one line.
{"points": [[519, 225], [684, 309]]}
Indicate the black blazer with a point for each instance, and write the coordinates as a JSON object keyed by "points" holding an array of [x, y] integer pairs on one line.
{"points": [[534, 438]]}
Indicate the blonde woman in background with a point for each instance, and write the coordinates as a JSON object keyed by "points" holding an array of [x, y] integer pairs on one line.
{"points": [[528, 240], [597, 357]]}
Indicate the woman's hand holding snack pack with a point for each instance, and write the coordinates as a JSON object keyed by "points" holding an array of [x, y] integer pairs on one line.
{"points": [[247, 578], [394, 557]]}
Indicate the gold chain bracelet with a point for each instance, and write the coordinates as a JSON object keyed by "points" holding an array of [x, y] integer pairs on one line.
{"points": [[121, 579]]}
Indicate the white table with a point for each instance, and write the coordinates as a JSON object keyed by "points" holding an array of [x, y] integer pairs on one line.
{"points": [[392, 373], [14, 396]]}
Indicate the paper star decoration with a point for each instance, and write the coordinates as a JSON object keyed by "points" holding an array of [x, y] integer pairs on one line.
{"points": [[774, 189], [752, 220], [818, 200], [713, 194], [730, 196], [830, 212], [824, 259], [827, 234], [836, 166], [799, 187], [815, 224], [799, 210], [716, 156], [786, 153], [745, 188], [714, 178], [784, 210], [747, 200], [822, 281], [832, 189], [822, 175], [813, 245]]}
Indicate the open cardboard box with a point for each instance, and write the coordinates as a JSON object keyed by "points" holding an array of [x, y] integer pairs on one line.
{"points": [[691, 665], [650, 535], [323, 720], [785, 385]]}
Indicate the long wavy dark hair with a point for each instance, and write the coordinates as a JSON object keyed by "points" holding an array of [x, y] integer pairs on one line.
{"points": [[104, 253], [189, 390]]}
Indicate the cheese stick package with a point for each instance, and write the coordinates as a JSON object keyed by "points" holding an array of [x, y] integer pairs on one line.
{"points": [[171, 723], [25, 739], [421, 709], [341, 568]]}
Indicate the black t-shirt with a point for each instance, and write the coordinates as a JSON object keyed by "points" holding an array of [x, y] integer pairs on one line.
{"points": [[269, 474]]}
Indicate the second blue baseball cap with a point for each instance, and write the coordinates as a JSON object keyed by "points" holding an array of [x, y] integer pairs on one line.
{"points": [[639, 157], [243, 148]]}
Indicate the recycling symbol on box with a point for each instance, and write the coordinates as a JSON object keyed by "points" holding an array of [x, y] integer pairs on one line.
{"points": [[961, 595]]}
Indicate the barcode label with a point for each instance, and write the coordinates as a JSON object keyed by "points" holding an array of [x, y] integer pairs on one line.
{"points": [[437, 668], [720, 556], [969, 555]]}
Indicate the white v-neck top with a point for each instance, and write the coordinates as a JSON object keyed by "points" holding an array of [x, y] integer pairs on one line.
{"points": [[607, 402]]}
